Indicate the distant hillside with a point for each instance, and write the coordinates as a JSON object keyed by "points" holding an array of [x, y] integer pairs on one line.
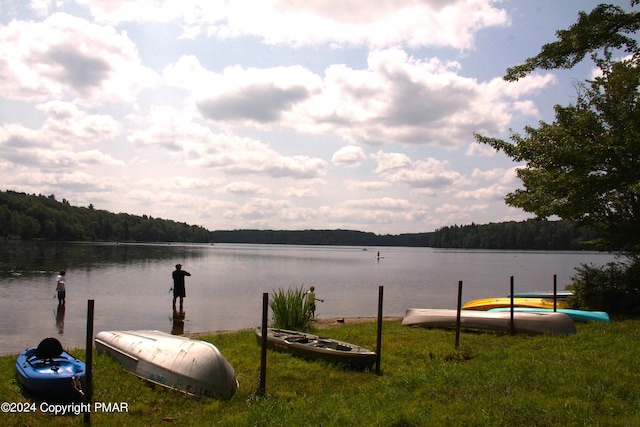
{"points": [[28, 217], [320, 237], [530, 234]]}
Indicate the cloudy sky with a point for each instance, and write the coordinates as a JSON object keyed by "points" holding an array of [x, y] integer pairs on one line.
{"points": [[276, 114]]}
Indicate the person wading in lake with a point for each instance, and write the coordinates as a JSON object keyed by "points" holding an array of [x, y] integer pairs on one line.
{"points": [[178, 285], [61, 291], [311, 301]]}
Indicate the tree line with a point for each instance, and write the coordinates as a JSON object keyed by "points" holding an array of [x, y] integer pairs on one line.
{"points": [[32, 217], [530, 234]]}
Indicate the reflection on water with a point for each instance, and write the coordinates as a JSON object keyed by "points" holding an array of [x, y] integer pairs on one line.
{"points": [[178, 322], [129, 283], [60, 318], [38, 258]]}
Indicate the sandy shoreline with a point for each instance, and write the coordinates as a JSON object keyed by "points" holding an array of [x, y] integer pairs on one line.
{"points": [[320, 323]]}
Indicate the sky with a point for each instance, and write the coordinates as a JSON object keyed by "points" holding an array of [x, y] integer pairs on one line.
{"points": [[277, 114]]}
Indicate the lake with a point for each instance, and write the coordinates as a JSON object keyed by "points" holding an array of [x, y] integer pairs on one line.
{"points": [[130, 283]]}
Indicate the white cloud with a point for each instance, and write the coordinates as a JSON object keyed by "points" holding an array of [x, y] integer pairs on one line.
{"points": [[430, 174], [366, 185], [67, 123], [258, 209], [398, 98], [226, 152], [526, 107], [480, 150], [43, 148], [71, 182], [500, 175], [68, 57], [300, 192], [348, 156], [244, 187], [246, 156], [386, 203], [386, 210], [302, 23], [492, 192], [411, 101], [180, 183], [262, 99], [388, 162]]}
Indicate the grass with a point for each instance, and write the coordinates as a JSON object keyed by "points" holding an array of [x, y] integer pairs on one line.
{"points": [[490, 380]]}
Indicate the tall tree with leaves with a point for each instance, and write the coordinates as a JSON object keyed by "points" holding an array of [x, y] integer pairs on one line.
{"points": [[585, 166]]}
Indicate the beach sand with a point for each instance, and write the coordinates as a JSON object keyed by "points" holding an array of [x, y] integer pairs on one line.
{"points": [[337, 322]]}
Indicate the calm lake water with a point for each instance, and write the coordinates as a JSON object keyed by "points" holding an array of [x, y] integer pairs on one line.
{"points": [[130, 283]]}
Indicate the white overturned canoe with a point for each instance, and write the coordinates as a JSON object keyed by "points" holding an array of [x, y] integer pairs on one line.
{"points": [[575, 315], [528, 323], [191, 366]]}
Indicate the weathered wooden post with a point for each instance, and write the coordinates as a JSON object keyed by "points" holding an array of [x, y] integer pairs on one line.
{"points": [[88, 393], [379, 334], [263, 353], [512, 329], [555, 293], [459, 309]]}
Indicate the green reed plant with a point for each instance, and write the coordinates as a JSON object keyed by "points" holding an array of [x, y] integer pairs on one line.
{"points": [[290, 309]]}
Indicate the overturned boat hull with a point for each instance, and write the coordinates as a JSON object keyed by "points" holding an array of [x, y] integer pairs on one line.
{"points": [[191, 366], [528, 323], [575, 315]]}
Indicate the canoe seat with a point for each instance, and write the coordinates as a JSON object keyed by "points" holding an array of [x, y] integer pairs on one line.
{"points": [[49, 348], [301, 340], [341, 347]]}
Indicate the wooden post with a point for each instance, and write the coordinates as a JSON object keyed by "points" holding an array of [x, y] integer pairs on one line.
{"points": [[459, 309], [555, 293], [263, 354], [379, 334], [88, 393], [512, 329]]}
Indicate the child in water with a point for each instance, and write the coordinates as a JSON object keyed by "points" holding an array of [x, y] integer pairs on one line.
{"points": [[60, 287], [311, 300]]}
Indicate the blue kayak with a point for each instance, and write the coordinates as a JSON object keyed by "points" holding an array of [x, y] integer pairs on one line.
{"points": [[50, 372], [575, 315]]}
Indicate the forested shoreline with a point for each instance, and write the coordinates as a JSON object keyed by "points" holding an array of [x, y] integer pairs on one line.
{"points": [[38, 217]]}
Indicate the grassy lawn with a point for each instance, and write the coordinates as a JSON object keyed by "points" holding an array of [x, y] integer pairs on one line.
{"points": [[491, 380]]}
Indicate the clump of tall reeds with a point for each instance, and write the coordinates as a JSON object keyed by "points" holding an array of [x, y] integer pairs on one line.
{"points": [[290, 309]]}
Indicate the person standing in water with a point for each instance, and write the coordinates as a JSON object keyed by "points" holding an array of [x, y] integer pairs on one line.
{"points": [[179, 290], [61, 289], [311, 300]]}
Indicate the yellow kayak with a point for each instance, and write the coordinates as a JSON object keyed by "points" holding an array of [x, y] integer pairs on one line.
{"points": [[489, 303]]}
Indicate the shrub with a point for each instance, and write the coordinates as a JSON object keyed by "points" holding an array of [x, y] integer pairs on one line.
{"points": [[290, 310], [614, 288]]}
